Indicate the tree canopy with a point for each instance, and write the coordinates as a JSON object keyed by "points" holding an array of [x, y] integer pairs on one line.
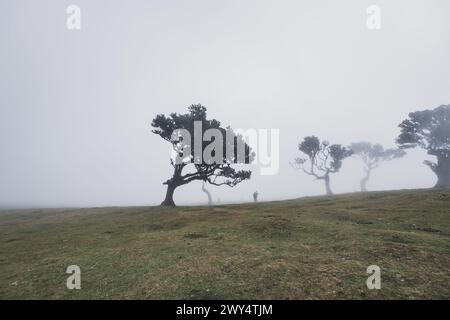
{"points": [[430, 130], [202, 144], [371, 155], [321, 158]]}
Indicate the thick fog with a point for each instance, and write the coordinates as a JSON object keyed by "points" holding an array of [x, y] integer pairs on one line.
{"points": [[76, 105]]}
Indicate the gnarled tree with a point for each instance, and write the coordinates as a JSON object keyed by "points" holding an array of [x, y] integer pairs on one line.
{"points": [[371, 156], [203, 150], [430, 130], [322, 159]]}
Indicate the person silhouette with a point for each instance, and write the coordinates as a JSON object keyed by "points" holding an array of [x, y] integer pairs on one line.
{"points": [[255, 196]]}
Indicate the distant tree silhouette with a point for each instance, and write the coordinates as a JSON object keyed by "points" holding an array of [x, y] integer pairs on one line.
{"points": [[208, 194], [322, 159], [430, 130], [371, 155], [218, 172]]}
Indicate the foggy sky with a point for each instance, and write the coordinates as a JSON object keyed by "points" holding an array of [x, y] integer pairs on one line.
{"points": [[76, 106]]}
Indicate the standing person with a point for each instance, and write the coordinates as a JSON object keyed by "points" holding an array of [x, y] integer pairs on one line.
{"points": [[255, 196]]}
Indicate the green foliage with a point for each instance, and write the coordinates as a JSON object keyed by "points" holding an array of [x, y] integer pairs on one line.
{"points": [[428, 129], [217, 172], [372, 154], [321, 156]]}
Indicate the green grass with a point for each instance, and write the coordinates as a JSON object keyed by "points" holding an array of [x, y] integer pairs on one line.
{"points": [[310, 248]]}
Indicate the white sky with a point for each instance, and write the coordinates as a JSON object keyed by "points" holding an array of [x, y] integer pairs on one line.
{"points": [[76, 106]]}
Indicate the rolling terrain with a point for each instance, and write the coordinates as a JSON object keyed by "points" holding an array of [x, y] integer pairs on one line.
{"points": [[308, 248]]}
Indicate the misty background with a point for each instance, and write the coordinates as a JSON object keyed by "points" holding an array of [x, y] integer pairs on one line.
{"points": [[76, 106]]}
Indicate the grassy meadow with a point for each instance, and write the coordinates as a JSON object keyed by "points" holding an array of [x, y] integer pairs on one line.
{"points": [[308, 248]]}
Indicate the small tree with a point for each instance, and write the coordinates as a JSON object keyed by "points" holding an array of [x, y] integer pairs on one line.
{"points": [[430, 130], [371, 155], [217, 168], [322, 159]]}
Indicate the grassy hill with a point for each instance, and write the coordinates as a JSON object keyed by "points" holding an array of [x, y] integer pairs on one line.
{"points": [[309, 248]]}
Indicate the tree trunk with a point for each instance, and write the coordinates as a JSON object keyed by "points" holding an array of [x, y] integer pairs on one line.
{"points": [[442, 170], [363, 182], [327, 185], [207, 193], [168, 201], [172, 184]]}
